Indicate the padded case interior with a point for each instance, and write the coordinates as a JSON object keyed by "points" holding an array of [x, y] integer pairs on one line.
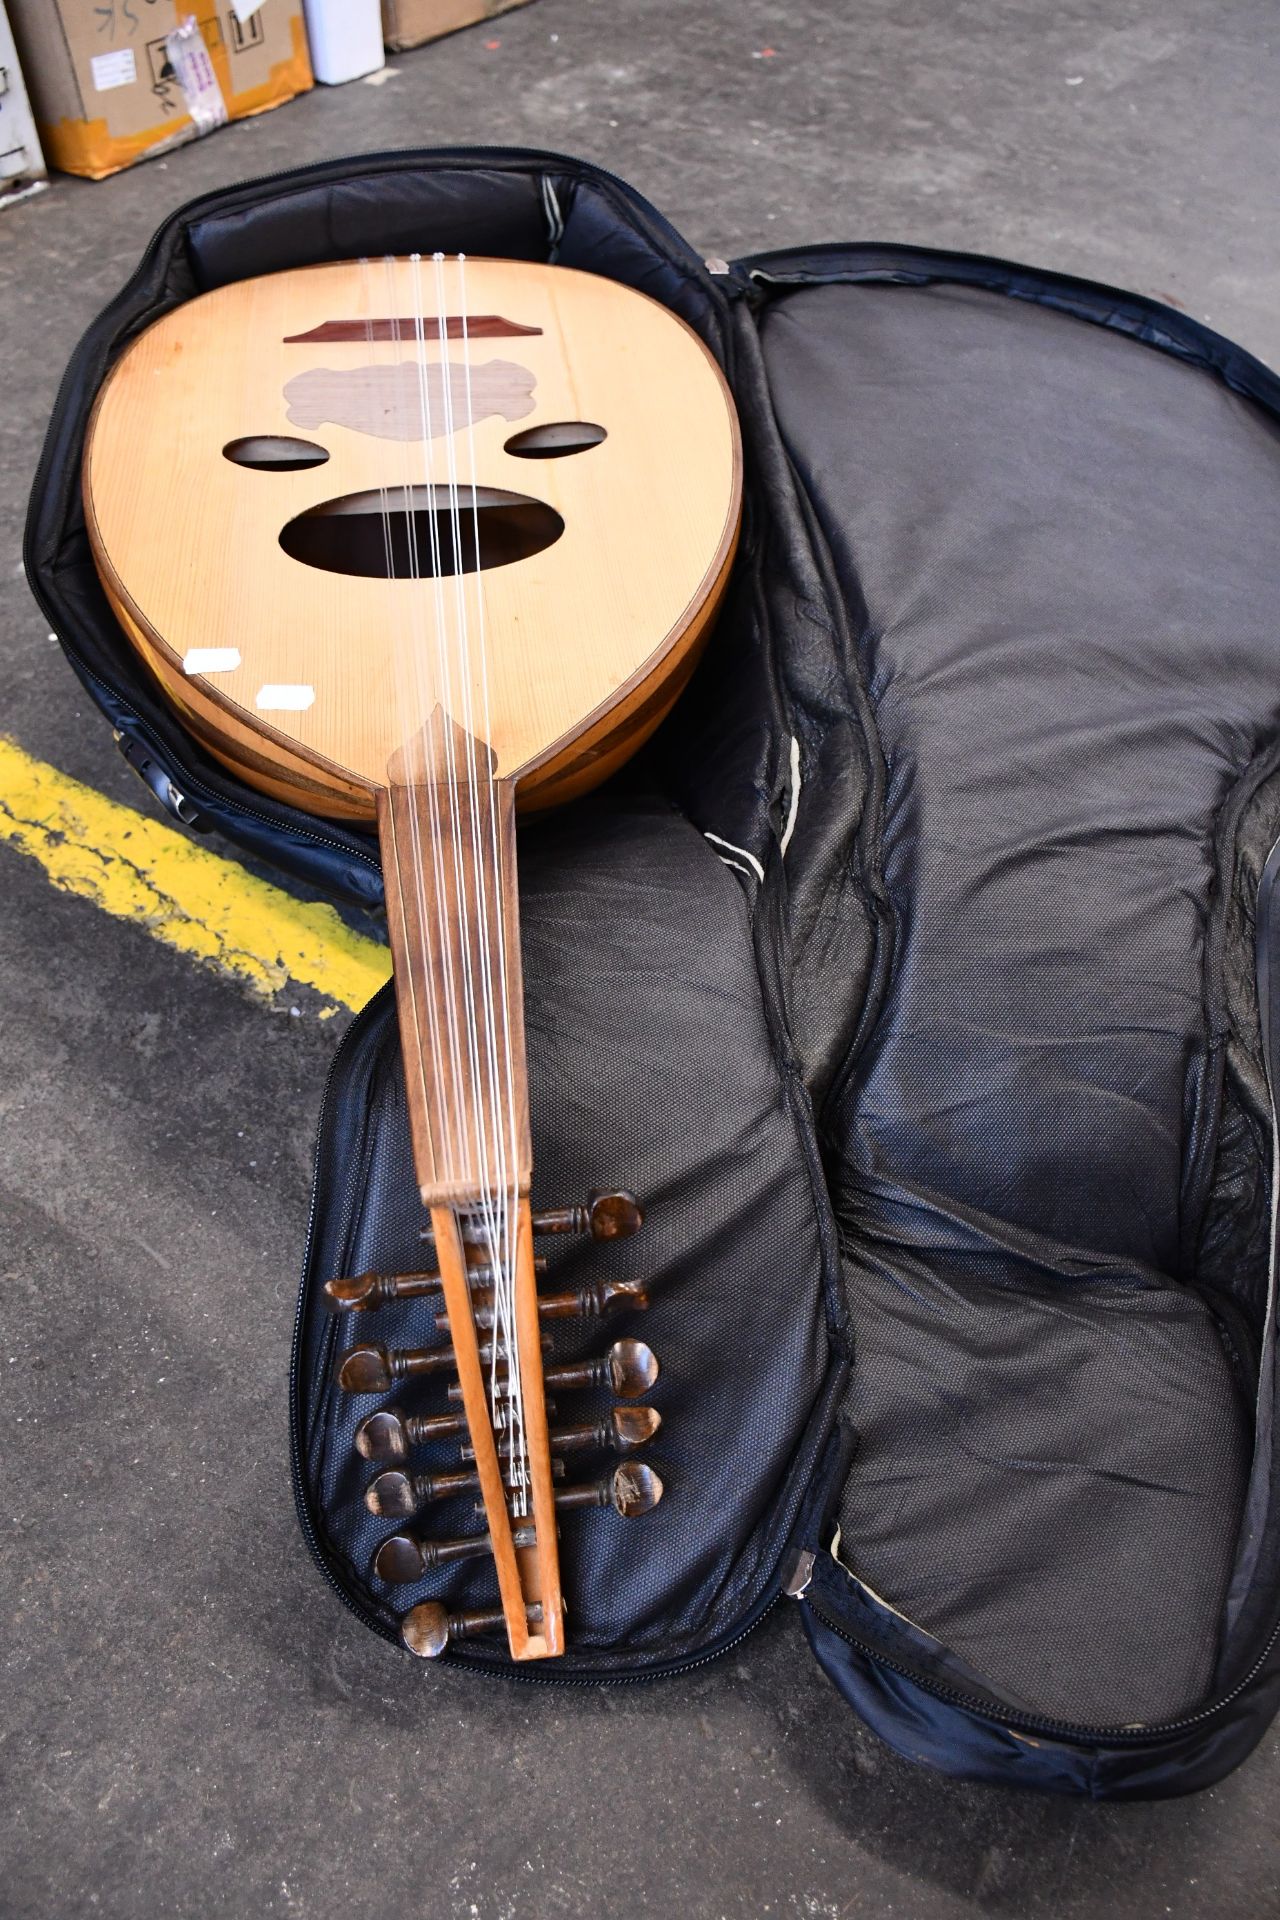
{"points": [[1058, 553]]}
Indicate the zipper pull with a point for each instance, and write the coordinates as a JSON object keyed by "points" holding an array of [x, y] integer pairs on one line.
{"points": [[148, 769], [795, 1583]]}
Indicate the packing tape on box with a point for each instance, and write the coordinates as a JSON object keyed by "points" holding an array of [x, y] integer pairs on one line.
{"points": [[193, 70]]}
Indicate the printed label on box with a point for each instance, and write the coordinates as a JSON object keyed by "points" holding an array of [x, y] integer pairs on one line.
{"points": [[118, 69]]}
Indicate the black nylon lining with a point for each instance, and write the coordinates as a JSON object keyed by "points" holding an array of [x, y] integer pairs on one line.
{"points": [[1064, 548]]}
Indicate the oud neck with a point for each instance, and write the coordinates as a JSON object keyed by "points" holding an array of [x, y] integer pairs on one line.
{"points": [[447, 830]]}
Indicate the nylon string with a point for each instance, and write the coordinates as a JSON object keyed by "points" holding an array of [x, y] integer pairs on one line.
{"points": [[470, 1052]]}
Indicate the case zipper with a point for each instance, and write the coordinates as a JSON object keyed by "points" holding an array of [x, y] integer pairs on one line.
{"points": [[1078, 1732]]}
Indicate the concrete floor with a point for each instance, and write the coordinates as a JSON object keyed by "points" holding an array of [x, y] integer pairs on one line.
{"points": [[192, 1725]]}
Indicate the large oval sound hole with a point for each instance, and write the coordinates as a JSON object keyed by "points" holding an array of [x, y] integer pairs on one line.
{"points": [[414, 532]]}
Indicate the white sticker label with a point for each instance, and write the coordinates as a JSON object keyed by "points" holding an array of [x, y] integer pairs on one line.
{"points": [[189, 58], [285, 699], [110, 70], [211, 659], [245, 9]]}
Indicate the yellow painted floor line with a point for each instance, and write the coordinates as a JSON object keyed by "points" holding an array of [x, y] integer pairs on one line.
{"points": [[184, 893]]}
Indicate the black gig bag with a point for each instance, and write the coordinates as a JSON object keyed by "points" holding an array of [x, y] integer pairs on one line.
{"points": [[918, 977]]}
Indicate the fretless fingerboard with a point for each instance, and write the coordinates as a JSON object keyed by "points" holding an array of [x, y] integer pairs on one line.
{"points": [[449, 863]]}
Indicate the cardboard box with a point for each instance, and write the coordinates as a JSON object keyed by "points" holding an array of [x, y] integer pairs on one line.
{"points": [[106, 92], [407, 23], [21, 161]]}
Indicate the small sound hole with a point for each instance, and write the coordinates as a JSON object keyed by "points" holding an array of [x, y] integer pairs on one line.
{"points": [[414, 533], [275, 453], [555, 440]]}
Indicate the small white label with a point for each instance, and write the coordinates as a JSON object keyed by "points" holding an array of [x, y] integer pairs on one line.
{"points": [[118, 69], [245, 9], [211, 659], [285, 699]]}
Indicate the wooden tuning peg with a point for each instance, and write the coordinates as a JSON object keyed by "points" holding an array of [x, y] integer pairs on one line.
{"points": [[428, 1628], [624, 1430], [401, 1560], [588, 1301], [390, 1435], [357, 1293], [373, 1368], [628, 1369], [395, 1494], [631, 1489], [611, 1215]]}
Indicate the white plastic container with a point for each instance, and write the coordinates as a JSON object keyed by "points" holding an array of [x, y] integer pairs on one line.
{"points": [[21, 162], [346, 39]]}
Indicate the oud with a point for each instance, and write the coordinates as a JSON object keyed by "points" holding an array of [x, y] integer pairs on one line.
{"points": [[419, 542]]}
